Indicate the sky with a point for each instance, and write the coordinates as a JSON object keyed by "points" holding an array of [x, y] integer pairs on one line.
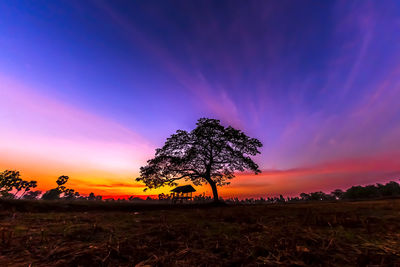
{"points": [[90, 89]]}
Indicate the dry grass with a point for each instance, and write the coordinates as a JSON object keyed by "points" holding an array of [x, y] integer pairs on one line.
{"points": [[318, 234]]}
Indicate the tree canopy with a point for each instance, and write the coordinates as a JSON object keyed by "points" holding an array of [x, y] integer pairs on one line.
{"points": [[210, 153], [11, 181], [55, 193]]}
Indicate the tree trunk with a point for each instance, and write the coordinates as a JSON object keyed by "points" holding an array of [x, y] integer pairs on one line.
{"points": [[214, 190], [212, 183]]}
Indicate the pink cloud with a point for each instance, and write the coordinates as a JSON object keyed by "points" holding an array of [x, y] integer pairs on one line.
{"points": [[325, 176], [40, 135]]}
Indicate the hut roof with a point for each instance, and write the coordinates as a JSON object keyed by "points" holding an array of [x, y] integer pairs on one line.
{"points": [[184, 189]]}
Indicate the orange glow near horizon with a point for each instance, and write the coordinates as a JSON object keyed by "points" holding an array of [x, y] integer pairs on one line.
{"points": [[103, 157], [46, 139], [90, 89], [324, 177]]}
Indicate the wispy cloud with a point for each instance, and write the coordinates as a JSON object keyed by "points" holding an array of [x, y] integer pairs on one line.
{"points": [[217, 100], [43, 136], [317, 84], [325, 176]]}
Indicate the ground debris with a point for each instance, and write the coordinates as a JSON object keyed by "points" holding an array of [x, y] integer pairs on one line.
{"points": [[310, 234]]}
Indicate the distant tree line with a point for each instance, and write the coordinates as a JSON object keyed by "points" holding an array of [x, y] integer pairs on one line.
{"points": [[12, 186], [356, 192], [353, 193], [390, 189]]}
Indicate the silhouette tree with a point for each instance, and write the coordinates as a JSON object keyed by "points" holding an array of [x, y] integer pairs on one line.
{"points": [[55, 193], [91, 196], [317, 196], [62, 180], [32, 195], [390, 189], [18, 184], [8, 180], [70, 194], [11, 181], [360, 192], [52, 194], [210, 153], [27, 187], [338, 194], [304, 196]]}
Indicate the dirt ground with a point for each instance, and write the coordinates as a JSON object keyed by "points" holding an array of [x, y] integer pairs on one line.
{"points": [[305, 234]]}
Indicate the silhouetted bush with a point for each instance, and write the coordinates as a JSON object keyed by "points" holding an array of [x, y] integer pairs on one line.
{"points": [[52, 194], [32, 195]]}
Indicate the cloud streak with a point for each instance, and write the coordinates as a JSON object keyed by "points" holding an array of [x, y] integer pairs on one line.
{"points": [[42, 136], [325, 176], [317, 83]]}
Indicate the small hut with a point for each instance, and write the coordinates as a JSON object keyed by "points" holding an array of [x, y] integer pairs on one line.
{"points": [[182, 193]]}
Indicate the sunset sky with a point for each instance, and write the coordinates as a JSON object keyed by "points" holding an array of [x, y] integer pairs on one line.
{"points": [[90, 89]]}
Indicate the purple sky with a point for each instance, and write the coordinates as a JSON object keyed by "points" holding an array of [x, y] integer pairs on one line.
{"points": [[91, 88]]}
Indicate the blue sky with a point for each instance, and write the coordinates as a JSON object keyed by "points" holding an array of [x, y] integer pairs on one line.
{"points": [[316, 81]]}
